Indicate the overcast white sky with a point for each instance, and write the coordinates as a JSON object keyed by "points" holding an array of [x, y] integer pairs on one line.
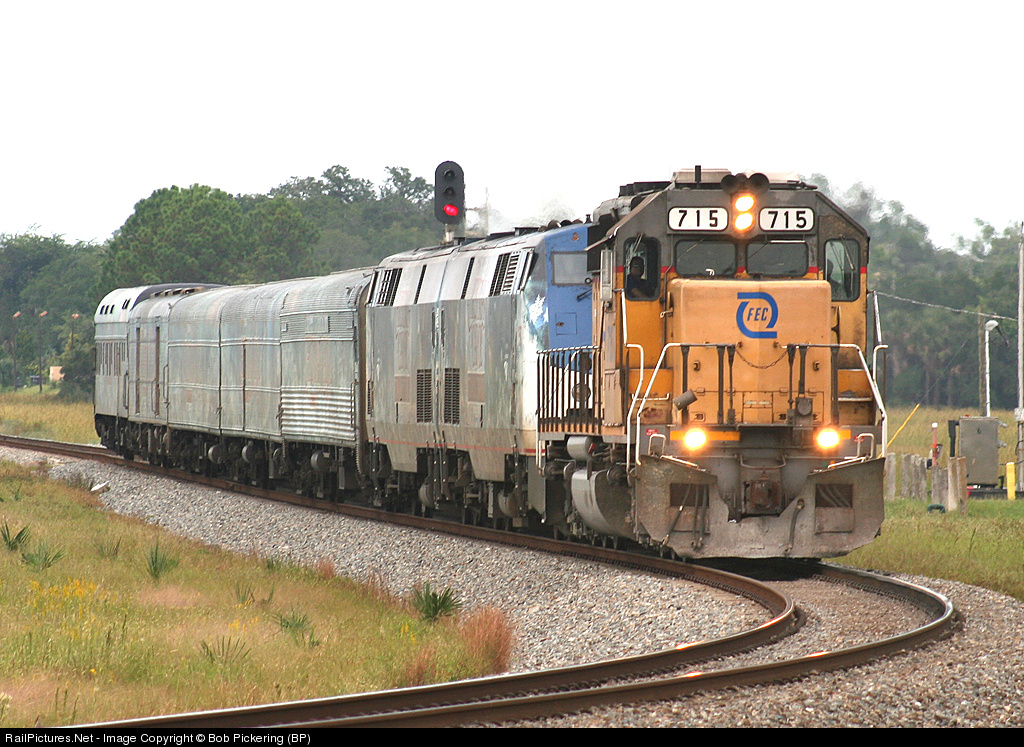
{"points": [[541, 102]]}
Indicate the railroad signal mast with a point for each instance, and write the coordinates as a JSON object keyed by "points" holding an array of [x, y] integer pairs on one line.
{"points": [[449, 197]]}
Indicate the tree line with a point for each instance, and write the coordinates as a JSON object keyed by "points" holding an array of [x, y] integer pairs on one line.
{"points": [[49, 288], [933, 303]]}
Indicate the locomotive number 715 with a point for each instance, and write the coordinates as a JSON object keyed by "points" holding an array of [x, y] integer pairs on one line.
{"points": [[786, 219]]}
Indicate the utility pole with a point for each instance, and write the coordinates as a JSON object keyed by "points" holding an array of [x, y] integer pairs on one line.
{"points": [[14, 347], [1018, 414], [39, 346]]}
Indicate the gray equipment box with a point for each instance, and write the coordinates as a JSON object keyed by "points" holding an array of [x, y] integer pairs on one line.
{"points": [[979, 444]]}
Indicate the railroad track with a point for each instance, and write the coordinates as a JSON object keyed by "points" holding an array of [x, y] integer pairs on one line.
{"points": [[564, 690]]}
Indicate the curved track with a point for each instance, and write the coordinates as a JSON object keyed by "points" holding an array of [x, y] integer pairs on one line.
{"points": [[564, 690]]}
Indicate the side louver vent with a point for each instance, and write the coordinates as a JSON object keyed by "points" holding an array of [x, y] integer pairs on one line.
{"points": [[424, 396], [387, 286], [504, 278], [452, 395]]}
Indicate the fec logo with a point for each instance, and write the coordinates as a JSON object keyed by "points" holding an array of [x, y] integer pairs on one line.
{"points": [[756, 315]]}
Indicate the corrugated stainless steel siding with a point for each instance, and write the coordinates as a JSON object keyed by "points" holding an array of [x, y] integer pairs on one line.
{"points": [[321, 414]]}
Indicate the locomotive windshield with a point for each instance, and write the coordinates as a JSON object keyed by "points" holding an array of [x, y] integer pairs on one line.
{"points": [[705, 258], [787, 259]]}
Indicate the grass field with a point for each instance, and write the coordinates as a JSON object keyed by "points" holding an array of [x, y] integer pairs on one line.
{"points": [[96, 628], [106, 617], [32, 414], [983, 546]]}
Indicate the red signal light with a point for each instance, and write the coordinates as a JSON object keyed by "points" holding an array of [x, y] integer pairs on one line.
{"points": [[449, 193]]}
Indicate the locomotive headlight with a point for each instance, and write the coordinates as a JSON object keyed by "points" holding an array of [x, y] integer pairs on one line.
{"points": [[744, 205], [828, 438], [695, 438], [743, 221]]}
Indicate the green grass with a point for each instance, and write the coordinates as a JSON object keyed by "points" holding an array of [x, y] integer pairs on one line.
{"points": [[91, 634], [30, 414], [983, 546]]}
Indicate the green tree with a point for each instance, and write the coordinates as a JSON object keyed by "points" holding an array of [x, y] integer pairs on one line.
{"points": [[933, 301], [202, 234], [178, 235], [358, 223], [37, 274], [281, 242], [76, 362], [341, 185]]}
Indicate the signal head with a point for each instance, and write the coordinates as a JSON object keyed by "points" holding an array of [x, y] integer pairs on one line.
{"points": [[449, 193]]}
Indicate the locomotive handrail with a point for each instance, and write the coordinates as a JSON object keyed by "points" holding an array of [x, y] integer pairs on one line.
{"points": [[832, 346], [626, 344], [874, 373], [871, 379], [647, 392], [551, 408]]}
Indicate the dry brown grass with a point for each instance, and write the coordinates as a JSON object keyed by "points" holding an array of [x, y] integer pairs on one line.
{"points": [[421, 669], [325, 567], [376, 588], [489, 637]]}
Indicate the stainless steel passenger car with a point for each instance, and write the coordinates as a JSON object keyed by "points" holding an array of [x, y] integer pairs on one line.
{"points": [[255, 381]]}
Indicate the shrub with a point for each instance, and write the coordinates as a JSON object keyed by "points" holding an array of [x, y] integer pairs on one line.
{"points": [[42, 558], [224, 651], [13, 541], [108, 549], [431, 605], [159, 563], [298, 626]]}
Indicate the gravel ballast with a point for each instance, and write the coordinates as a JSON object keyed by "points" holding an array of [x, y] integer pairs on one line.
{"points": [[570, 612]]}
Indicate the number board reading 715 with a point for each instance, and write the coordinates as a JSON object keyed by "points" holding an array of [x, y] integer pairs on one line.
{"points": [[698, 219], [786, 219]]}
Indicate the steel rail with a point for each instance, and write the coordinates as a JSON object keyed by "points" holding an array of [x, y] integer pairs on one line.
{"points": [[586, 686], [940, 609]]}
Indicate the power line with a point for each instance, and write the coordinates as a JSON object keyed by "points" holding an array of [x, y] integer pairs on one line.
{"points": [[946, 308]]}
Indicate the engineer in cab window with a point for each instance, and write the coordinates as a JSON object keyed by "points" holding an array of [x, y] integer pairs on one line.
{"points": [[639, 287]]}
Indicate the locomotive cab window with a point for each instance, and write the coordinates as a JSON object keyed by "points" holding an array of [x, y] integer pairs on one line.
{"points": [[842, 268], [780, 259], [569, 268], [642, 269], [709, 258]]}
